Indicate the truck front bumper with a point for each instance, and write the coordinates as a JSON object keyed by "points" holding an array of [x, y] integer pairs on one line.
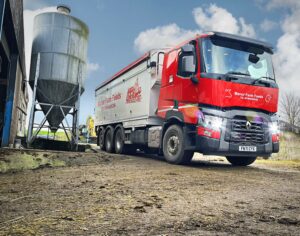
{"points": [[216, 145]]}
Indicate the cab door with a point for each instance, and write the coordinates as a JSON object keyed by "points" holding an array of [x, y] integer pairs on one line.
{"points": [[166, 95], [186, 78], [179, 78]]}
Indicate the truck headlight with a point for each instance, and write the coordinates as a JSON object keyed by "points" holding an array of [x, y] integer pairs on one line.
{"points": [[212, 122], [273, 127]]}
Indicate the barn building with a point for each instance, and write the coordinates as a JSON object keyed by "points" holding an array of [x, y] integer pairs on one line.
{"points": [[13, 85]]}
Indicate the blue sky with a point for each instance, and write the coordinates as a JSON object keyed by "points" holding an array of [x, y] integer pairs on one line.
{"points": [[120, 31]]}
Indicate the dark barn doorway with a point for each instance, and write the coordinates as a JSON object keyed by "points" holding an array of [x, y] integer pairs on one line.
{"points": [[4, 70]]}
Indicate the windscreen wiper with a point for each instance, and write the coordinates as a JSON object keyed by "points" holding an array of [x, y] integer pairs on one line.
{"points": [[229, 78], [236, 73], [263, 77]]}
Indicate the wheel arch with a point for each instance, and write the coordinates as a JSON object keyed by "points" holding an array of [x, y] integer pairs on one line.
{"points": [[172, 118]]}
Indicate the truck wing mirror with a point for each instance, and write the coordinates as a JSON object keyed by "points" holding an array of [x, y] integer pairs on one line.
{"points": [[188, 64]]}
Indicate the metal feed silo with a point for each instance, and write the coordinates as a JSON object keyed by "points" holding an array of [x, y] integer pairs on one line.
{"points": [[58, 69]]}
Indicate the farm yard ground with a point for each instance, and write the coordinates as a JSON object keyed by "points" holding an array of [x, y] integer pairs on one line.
{"points": [[105, 194]]}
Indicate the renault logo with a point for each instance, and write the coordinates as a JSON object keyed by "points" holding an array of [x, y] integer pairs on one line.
{"points": [[248, 125]]}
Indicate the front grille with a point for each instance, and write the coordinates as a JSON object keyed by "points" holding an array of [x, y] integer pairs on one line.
{"points": [[247, 137], [243, 131], [241, 125]]}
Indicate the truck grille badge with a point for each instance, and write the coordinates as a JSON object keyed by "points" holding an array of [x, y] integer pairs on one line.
{"points": [[248, 125]]}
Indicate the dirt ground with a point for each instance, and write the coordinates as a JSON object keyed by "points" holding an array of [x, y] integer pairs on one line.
{"points": [[102, 194]]}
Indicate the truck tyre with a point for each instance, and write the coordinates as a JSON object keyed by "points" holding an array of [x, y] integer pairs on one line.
{"points": [[240, 161], [119, 141], [109, 139], [101, 138], [173, 146]]}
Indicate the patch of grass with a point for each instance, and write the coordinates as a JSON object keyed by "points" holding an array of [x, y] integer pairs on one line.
{"points": [[284, 163], [59, 135], [19, 161], [289, 147]]}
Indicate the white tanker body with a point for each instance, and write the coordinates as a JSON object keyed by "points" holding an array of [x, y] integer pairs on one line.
{"points": [[129, 99], [131, 96]]}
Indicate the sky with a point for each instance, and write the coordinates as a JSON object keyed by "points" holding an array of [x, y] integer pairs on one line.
{"points": [[121, 31]]}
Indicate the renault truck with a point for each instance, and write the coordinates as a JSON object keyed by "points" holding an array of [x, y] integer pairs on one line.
{"points": [[215, 94]]}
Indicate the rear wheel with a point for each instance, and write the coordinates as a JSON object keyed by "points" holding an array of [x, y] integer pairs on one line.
{"points": [[241, 161], [109, 144], [173, 146], [101, 138], [119, 141]]}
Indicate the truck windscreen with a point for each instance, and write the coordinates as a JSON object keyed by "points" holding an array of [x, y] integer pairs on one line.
{"points": [[222, 56]]}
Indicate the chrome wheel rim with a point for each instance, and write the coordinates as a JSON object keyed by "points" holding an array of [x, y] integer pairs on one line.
{"points": [[173, 145]]}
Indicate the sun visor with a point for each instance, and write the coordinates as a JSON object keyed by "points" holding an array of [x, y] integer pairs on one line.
{"points": [[252, 42]]}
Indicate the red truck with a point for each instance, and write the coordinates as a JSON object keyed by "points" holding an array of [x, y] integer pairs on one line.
{"points": [[215, 94]]}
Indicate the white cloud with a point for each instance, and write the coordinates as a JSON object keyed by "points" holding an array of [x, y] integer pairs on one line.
{"points": [[28, 29], [219, 19], [268, 25], [161, 36], [92, 67], [286, 58], [282, 3], [246, 29], [213, 18]]}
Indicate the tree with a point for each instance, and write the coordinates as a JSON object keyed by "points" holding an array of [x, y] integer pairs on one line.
{"points": [[290, 108]]}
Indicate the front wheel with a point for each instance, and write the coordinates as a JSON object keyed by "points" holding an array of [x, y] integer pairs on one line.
{"points": [[173, 146], [240, 161]]}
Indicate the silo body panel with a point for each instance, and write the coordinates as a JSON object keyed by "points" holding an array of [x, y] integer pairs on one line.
{"points": [[61, 42]]}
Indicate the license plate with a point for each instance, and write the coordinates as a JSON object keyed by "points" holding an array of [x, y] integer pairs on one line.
{"points": [[247, 148]]}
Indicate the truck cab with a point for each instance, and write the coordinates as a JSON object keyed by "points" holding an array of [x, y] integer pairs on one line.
{"points": [[219, 96]]}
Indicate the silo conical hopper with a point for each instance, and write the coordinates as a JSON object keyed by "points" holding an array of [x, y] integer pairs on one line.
{"points": [[60, 43]]}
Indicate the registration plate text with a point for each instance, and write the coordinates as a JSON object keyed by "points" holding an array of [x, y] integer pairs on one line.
{"points": [[247, 149]]}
